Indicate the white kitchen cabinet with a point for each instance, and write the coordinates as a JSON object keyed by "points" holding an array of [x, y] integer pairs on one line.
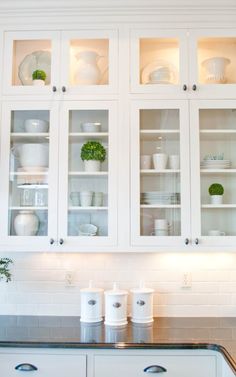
{"points": [[161, 192], [58, 53], [169, 366], [44, 188], [213, 160], [44, 364], [184, 63], [159, 77]]}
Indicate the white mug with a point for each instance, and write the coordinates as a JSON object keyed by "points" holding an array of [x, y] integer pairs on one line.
{"points": [[159, 160], [161, 224], [215, 232], [145, 161], [174, 161], [98, 199], [86, 198]]}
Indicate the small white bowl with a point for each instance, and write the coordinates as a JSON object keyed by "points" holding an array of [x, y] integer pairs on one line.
{"points": [[87, 230], [91, 127], [36, 125]]}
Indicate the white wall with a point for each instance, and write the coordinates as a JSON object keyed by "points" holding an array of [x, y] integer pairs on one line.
{"points": [[38, 286]]}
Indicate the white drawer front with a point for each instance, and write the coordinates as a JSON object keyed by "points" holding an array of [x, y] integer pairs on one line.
{"points": [[47, 365], [176, 366]]}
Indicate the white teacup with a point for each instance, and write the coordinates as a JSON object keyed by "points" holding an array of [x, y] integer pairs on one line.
{"points": [[145, 161], [174, 161], [87, 230], [215, 232], [160, 160], [162, 224], [98, 199]]}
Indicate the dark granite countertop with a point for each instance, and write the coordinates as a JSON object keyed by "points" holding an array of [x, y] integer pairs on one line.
{"points": [[66, 332]]}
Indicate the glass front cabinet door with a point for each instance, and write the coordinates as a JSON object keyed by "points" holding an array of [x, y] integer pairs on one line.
{"points": [[160, 197], [213, 171], [29, 152], [158, 62], [212, 70], [88, 174], [60, 168], [51, 62]]}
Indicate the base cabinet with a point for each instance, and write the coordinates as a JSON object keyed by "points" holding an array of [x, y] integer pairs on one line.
{"points": [[63, 362], [169, 366], [43, 364]]}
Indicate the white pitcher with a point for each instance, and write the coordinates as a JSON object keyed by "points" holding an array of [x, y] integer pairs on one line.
{"points": [[88, 72]]}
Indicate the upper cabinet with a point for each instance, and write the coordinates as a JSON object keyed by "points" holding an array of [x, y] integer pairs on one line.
{"points": [[186, 63], [75, 62]]}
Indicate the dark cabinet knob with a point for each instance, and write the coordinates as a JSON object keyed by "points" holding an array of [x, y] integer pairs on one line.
{"points": [[186, 241], [61, 241], [185, 87], [196, 241], [63, 89], [26, 367], [51, 241], [194, 87], [54, 88], [155, 369]]}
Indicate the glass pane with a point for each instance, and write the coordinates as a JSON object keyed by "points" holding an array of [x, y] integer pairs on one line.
{"points": [[218, 168], [160, 208], [88, 179], [159, 61], [89, 62], [216, 61], [29, 164], [30, 56]]}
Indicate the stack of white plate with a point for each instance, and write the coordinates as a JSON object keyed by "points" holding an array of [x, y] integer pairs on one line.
{"points": [[159, 197], [215, 164]]}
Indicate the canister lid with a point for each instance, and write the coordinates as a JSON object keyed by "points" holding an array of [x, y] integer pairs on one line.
{"points": [[116, 291], [142, 290], [91, 289]]}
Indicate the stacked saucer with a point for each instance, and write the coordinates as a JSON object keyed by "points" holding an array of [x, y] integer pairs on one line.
{"points": [[215, 164], [159, 197]]}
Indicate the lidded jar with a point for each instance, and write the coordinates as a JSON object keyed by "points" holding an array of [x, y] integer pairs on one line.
{"points": [[116, 307], [91, 304], [142, 304]]}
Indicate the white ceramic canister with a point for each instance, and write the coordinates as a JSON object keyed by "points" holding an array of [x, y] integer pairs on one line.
{"points": [[26, 223], [142, 305], [91, 304], [116, 307]]}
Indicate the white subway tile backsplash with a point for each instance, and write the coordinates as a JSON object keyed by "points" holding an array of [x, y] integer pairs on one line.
{"points": [[38, 285]]}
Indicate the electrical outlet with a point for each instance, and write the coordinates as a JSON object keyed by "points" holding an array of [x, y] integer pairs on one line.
{"points": [[70, 278], [187, 280]]}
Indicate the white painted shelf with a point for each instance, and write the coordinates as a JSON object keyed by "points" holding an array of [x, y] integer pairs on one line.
{"points": [[160, 206], [221, 171], [25, 208], [91, 208], [85, 136], [218, 206], [162, 171], [85, 173]]}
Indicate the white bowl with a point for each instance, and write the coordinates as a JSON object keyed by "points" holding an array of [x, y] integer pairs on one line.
{"points": [[33, 155], [87, 230], [91, 127], [36, 125], [160, 74]]}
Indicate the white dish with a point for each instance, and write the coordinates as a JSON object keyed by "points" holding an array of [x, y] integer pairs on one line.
{"points": [[158, 65], [91, 127], [159, 82], [37, 60], [36, 125]]}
